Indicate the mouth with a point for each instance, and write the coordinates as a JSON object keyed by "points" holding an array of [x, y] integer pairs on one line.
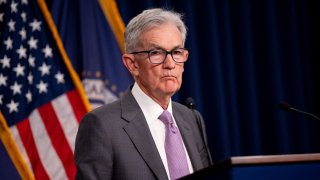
{"points": [[169, 77]]}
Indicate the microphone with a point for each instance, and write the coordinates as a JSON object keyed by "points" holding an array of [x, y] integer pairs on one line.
{"points": [[287, 107], [190, 103]]}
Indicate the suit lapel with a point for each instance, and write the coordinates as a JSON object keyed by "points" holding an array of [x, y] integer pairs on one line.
{"points": [[140, 135], [188, 138]]}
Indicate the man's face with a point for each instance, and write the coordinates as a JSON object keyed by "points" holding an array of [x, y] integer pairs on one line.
{"points": [[159, 80]]}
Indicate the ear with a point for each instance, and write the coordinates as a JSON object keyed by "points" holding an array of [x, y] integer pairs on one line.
{"points": [[130, 63]]}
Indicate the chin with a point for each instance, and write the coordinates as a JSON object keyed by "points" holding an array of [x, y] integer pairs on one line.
{"points": [[171, 90], [170, 87]]}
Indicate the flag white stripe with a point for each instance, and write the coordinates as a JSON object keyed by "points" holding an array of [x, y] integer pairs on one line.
{"points": [[67, 119], [48, 156], [22, 150]]}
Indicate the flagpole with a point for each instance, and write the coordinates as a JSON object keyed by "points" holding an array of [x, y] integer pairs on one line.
{"points": [[110, 10], [12, 149]]}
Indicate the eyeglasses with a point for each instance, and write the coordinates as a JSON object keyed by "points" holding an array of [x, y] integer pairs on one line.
{"points": [[158, 56]]}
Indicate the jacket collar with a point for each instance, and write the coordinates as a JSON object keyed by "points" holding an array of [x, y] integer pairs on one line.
{"points": [[140, 135]]}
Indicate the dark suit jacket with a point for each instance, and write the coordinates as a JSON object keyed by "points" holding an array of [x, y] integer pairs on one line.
{"points": [[114, 142]]}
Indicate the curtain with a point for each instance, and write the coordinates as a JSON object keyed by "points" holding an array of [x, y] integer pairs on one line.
{"points": [[245, 57]]}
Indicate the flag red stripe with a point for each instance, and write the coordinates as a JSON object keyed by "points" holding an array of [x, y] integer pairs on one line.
{"points": [[77, 104], [25, 133], [58, 139]]}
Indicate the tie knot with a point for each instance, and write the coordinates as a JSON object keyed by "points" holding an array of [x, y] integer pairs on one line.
{"points": [[165, 117]]}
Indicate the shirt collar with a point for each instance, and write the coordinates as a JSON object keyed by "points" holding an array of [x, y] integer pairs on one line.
{"points": [[149, 107]]}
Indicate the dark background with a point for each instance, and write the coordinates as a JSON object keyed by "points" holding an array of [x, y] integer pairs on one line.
{"points": [[245, 57]]}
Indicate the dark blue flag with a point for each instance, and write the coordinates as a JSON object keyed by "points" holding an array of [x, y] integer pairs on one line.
{"points": [[91, 32]]}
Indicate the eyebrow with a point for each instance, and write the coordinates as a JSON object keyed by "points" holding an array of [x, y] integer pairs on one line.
{"points": [[155, 46]]}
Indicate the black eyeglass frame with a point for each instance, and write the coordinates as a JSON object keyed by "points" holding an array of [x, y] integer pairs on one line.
{"points": [[167, 52]]}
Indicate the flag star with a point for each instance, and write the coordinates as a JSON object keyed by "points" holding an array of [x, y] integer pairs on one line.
{"points": [[13, 106], [24, 16], [31, 60], [47, 51], [5, 61], [22, 52], [1, 96], [35, 25], [42, 87], [1, 17], [16, 88], [8, 43], [33, 43], [19, 70], [30, 78], [24, 1], [13, 7], [29, 96], [44, 68], [3, 80], [11, 25], [60, 77], [3, 1], [23, 34]]}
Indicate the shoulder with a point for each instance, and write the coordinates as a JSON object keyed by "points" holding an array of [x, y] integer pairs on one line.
{"points": [[113, 113], [107, 108], [114, 108], [184, 109], [103, 117], [180, 107], [192, 116]]}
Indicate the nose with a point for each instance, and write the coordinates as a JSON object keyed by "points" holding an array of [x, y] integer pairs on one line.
{"points": [[169, 62]]}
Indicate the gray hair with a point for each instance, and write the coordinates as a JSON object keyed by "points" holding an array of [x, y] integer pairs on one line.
{"points": [[149, 19]]}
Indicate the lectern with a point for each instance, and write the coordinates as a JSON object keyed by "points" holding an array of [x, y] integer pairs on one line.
{"points": [[294, 166]]}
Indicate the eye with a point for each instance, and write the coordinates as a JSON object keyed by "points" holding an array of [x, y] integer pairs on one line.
{"points": [[178, 52], [155, 52]]}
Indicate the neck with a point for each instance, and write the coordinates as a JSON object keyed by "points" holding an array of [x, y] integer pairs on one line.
{"points": [[163, 99], [164, 103]]}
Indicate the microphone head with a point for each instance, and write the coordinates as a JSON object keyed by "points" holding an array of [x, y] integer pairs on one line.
{"points": [[190, 103], [285, 106]]}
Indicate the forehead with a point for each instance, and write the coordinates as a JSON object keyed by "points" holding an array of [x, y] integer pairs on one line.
{"points": [[164, 36]]}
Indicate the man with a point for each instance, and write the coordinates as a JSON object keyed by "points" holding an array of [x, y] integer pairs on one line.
{"points": [[144, 135]]}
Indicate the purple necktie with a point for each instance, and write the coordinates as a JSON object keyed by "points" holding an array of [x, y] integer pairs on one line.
{"points": [[176, 156]]}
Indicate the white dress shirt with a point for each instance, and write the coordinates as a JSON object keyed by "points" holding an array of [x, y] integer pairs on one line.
{"points": [[152, 111]]}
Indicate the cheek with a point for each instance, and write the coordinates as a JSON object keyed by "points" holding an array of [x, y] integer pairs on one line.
{"points": [[179, 81], [150, 76], [181, 70]]}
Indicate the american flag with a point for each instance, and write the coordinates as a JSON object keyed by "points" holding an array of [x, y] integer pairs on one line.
{"points": [[38, 98]]}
